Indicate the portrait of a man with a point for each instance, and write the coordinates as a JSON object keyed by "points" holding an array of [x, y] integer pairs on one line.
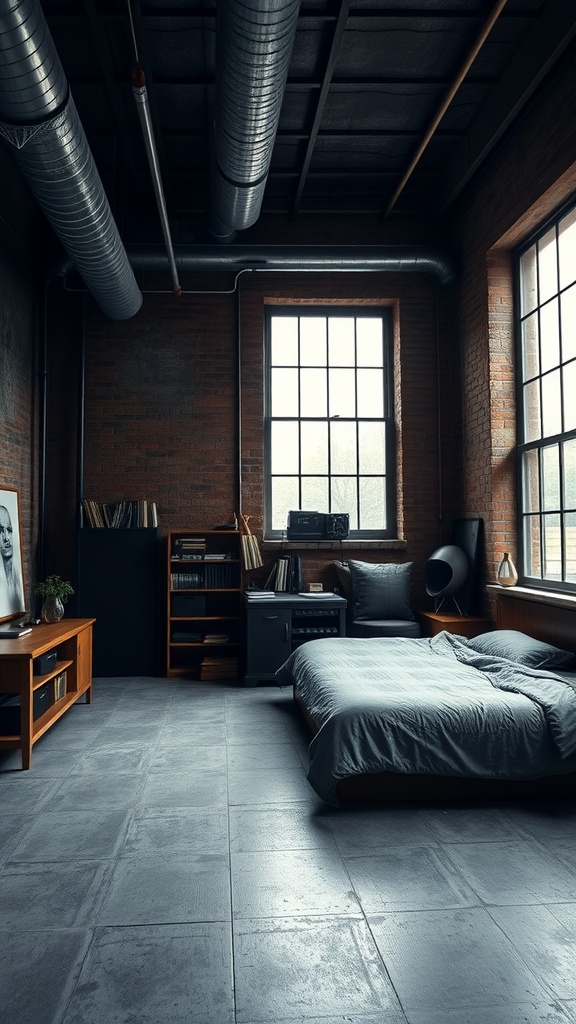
{"points": [[11, 581]]}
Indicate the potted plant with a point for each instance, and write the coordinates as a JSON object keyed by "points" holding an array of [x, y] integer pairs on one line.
{"points": [[55, 592]]}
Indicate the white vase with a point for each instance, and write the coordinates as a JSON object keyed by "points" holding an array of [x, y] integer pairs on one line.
{"points": [[507, 575]]}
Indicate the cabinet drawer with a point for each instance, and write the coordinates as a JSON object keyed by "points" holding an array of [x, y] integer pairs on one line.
{"points": [[268, 640]]}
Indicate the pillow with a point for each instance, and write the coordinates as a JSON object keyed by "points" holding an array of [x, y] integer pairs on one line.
{"points": [[344, 579], [381, 591], [519, 647]]}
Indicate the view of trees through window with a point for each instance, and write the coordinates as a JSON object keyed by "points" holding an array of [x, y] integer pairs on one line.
{"points": [[328, 422], [547, 339]]}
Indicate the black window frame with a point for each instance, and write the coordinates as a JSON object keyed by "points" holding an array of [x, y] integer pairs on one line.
{"points": [[539, 444], [389, 462]]}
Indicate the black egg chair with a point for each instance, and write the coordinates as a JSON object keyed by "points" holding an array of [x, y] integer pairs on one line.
{"points": [[445, 574]]}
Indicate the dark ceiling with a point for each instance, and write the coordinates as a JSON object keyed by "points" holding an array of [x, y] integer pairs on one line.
{"points": [[366, 87]]}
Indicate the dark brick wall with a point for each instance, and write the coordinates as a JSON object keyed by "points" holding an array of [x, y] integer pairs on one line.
{"points": [[524, 182], [18, 378], [162, 418]]}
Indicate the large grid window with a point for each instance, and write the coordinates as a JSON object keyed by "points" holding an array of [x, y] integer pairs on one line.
{"points": [[329, 426], [547, 402]]}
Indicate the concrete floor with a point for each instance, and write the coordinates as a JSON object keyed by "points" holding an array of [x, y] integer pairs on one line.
{"points": [[166, 862]]}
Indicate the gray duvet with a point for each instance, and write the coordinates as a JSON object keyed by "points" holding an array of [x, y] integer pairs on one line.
{"points": [[429, 706]]}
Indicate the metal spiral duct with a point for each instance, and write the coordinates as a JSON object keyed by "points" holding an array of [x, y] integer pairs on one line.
{"points": [[51, 150], [254, 40]]}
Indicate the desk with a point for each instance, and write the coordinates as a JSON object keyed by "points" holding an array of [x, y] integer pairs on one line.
{"points": [[72, 639], [277, 625], [463, 625]]}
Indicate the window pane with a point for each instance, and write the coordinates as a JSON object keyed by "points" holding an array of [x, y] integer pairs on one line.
{"points": [[314, 447], [570, 542], [372, 451], [315, 493], [567, 249], [343, 447], [528, 297], [369, 342], [317, 441], [373, 503], [569, 389], [371, 393], [551, 478], [313, 393], [531, 481], [552, 548], [549, 336], [568, 320], [341, 351], [284, 498], [532, 557], [343, 498], [547, 267], [530, 353], [532, 428], [313, 341], [284, 392], [569, 473], [342, 393], [551, 409], [284, 447], [284, 340]]}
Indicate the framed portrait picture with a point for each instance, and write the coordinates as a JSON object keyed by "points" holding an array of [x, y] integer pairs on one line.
{"points": [[11, 577]]}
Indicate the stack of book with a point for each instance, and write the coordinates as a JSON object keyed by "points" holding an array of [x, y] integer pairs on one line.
{"points": [[218, 668], [186, 549], [216, 638], [119, 515], [285, 575]]}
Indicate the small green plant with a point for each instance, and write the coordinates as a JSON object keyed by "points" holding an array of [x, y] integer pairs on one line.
{"points": [[55, 586]]}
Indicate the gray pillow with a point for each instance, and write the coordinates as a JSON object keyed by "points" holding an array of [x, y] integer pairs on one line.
{"points": [[381, 591], [521, 648]]}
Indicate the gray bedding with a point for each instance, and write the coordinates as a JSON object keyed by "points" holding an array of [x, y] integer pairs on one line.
{"points": [[430, 706]]}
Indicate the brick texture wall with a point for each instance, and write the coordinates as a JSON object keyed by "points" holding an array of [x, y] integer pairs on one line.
{"points": [[165, 418], [523, 183]]}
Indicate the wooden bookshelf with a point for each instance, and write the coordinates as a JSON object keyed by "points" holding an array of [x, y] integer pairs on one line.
{"points": [[204, 585]]}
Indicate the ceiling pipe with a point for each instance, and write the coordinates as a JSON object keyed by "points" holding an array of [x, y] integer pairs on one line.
{"points": [[305, 259], [141, 97], [254, 40], [39, 120]]}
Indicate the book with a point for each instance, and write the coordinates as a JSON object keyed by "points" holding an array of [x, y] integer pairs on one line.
{"points": [[12, 632]]}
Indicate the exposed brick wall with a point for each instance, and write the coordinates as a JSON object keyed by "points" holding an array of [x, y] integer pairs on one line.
{"points": [[161, 403], [523, 183], [18, 380]]}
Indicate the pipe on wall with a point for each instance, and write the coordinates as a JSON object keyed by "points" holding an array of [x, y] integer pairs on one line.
{"points": [[40, 122], [318, 258]]}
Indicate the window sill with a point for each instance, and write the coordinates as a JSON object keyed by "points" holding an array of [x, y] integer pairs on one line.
{"points": [[536, 596], [334, 545]]}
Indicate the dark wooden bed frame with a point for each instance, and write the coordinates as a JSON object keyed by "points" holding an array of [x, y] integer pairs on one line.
{"points": [[527, 612]]}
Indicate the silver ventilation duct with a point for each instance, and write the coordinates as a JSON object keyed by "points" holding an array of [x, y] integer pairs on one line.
{"points": [[254, 40], [51, 150], [315, 258]]}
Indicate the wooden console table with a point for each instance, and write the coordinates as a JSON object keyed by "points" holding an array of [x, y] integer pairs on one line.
{"points": [[68, 678]]}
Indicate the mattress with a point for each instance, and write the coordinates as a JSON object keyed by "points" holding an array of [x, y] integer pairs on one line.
{"points": [[429, 706]]}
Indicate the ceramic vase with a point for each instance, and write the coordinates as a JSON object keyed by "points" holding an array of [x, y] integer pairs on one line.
{"points": [[507, 575]]}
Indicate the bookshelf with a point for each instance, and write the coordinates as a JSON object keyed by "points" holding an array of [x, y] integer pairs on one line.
{"points": [[204, 587]]}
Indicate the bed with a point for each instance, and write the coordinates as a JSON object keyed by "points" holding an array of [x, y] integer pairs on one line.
{"points": [[441, 717]]}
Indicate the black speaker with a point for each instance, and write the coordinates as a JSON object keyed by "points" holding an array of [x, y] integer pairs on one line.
{"points": [[337, 525]]}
